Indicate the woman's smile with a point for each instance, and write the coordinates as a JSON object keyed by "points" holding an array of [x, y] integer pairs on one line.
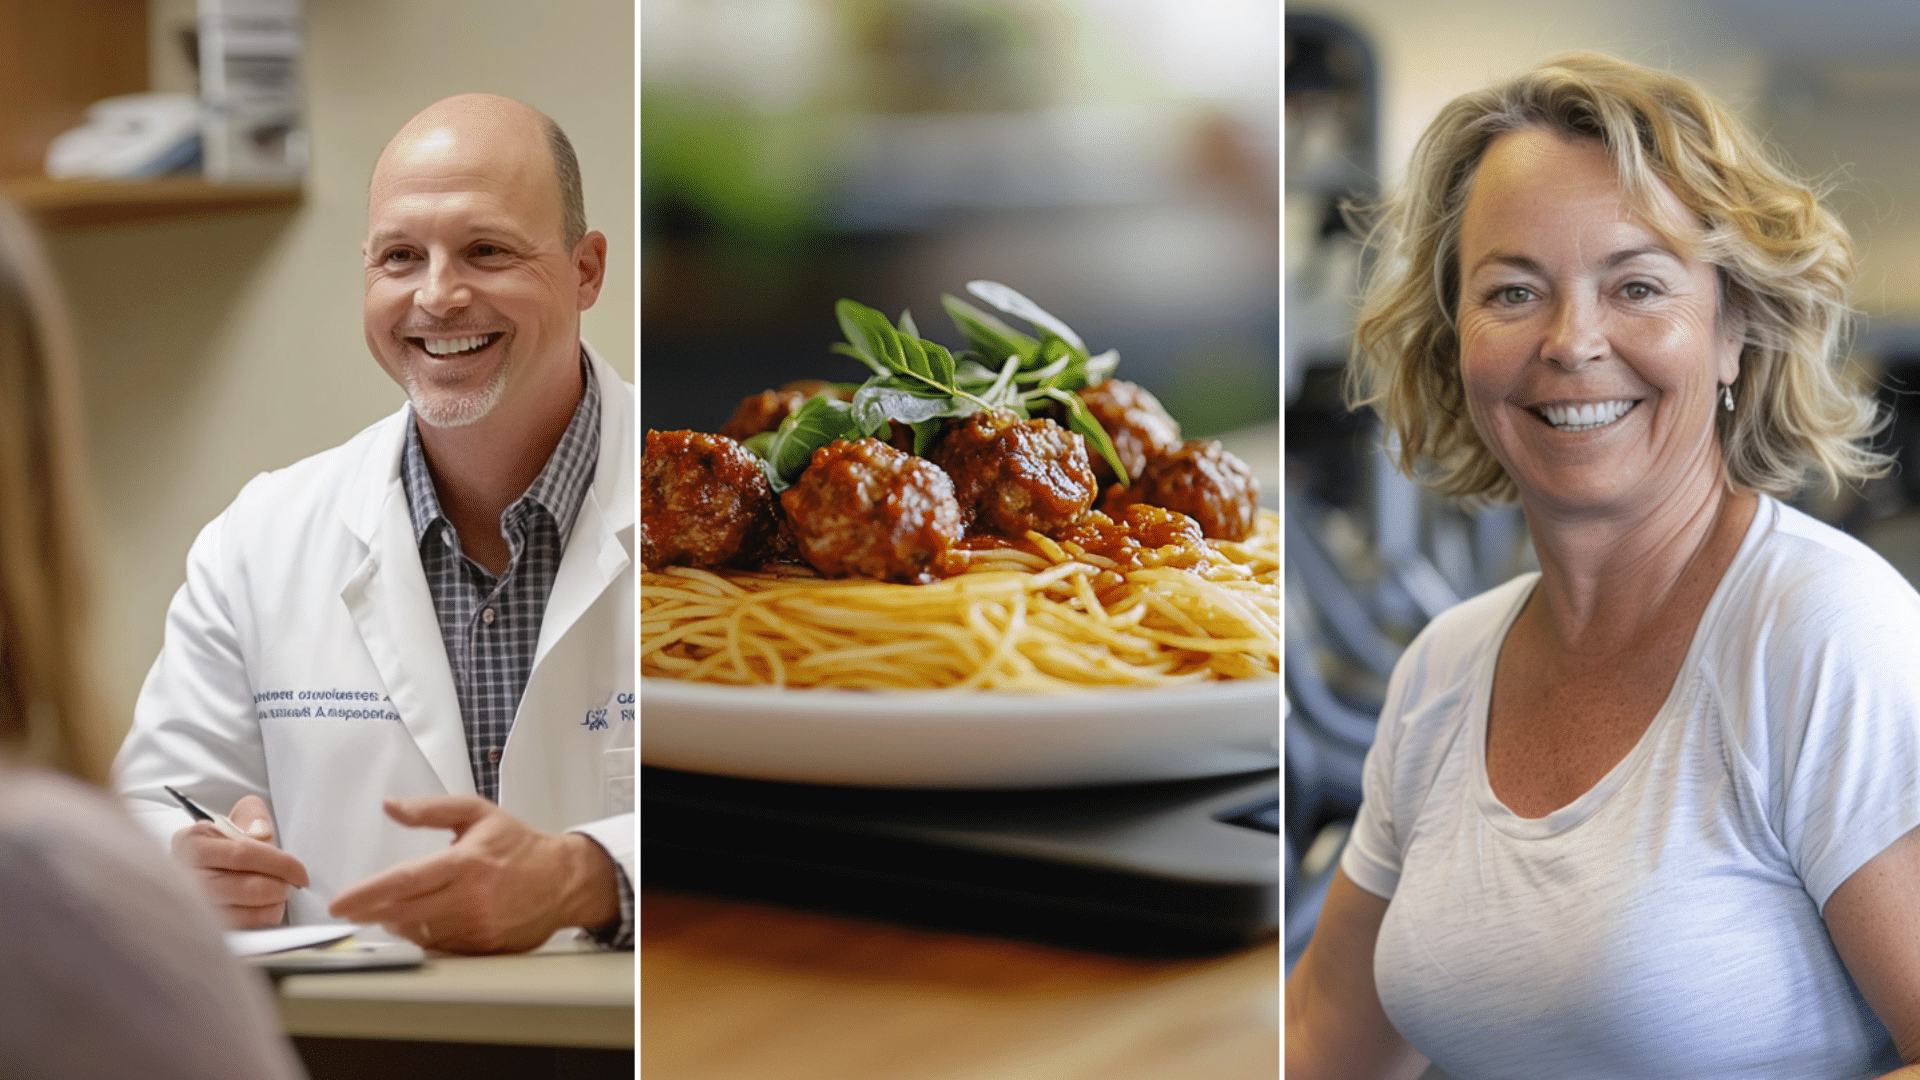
{"points": [[1591, 416]]}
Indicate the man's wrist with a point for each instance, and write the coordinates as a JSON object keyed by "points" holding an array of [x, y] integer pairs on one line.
{"points": [[596, 883]]}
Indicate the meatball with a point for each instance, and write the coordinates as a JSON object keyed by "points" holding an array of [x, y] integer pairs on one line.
{"points": [[1139, 525], [765, 410], [762, 412], [704, 501], [1140, 428], [1013, 475], [1201, 480], [864, 509], [784, 547]]}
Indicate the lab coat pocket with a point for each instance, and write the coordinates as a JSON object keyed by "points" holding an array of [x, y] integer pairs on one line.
{"points": [[618, 765]]}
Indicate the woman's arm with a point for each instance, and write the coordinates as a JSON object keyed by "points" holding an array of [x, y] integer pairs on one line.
{"points": [[1874, 918], [1335, 1025]]}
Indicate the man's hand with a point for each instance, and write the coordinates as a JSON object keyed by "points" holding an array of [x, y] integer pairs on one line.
{"points": [[501, 886], [248, 879]]}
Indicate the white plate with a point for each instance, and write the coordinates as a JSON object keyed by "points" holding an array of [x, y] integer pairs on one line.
{"points": [[944, 738]]}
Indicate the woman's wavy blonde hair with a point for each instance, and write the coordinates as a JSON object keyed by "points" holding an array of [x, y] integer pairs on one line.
{"points": [[49, 713], [1785, 266]]}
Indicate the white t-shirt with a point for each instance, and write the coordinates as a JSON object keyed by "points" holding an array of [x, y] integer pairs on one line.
{"points": [[1667, 922]]}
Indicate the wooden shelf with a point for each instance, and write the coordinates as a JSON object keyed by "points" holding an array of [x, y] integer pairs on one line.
{"points": [[65, 205], [56, 59]]}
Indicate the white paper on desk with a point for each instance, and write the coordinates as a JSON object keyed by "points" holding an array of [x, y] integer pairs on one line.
{"points": [[358, 954], [275, 939]]}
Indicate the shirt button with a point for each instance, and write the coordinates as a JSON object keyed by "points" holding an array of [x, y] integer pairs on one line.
{"points": [[487, 616], [493, 756]]}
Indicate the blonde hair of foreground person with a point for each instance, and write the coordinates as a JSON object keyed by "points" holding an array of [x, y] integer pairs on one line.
{"points": [[49, 713], [111, 964], [1784, 262]]}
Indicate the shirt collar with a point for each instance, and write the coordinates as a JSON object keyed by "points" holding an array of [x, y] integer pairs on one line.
{"points": [[560, 488]]}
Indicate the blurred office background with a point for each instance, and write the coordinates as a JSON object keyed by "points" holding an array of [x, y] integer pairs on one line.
{"points": [[1115, 160], [1835, 87], [216, 346]]}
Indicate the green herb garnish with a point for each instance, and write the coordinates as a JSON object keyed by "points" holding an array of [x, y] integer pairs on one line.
{"points": [[919, 383]]}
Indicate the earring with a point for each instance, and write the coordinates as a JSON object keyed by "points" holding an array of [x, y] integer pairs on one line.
{"points": [[1726, 397]]}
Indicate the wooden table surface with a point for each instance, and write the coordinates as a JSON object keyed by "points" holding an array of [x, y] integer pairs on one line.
{"points": [[558, 997], [731, 990]]}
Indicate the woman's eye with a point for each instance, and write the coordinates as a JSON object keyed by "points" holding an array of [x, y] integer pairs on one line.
{"points": [[1637, 290], [483, 251], [1513, 294]]}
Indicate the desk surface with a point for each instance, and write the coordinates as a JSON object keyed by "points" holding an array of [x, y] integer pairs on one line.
{"points": [[738, 991], [546, 999]]}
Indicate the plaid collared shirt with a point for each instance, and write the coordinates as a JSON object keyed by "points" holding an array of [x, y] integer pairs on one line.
{"points": [[490, 625]]}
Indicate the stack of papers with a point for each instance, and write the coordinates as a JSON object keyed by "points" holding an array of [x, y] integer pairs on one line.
{"points": [[322, 947]]}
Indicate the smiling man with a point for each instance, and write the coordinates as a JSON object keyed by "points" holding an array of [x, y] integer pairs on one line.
{"points": [[428, 630]]}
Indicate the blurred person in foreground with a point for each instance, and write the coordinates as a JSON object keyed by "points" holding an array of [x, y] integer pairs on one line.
{"points": [[428, 629], [1647, 812], [91, 985]]}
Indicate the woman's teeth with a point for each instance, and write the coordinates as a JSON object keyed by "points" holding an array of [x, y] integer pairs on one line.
{"points": [[1584, 417], [449, 346]]}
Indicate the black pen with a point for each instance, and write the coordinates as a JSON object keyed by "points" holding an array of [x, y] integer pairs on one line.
{"points": [[220, 821]]}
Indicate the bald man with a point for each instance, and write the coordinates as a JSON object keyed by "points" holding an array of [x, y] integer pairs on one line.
{"points": [[406, 664]]}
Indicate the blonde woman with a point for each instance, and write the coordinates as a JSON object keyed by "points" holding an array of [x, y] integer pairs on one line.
{"points": [[110, 960], [1644, 813]]}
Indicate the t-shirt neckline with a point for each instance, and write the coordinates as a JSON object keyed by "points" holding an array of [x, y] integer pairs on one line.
{"points": [[1589, 803]]}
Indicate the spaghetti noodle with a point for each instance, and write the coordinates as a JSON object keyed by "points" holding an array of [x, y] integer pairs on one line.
{"points": [[1039, 616]]}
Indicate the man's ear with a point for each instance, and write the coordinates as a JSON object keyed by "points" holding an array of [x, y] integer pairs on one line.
{"points": [[590, 262]]}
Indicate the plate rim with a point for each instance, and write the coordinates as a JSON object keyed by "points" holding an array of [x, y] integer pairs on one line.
{"points": [[984, 705]]}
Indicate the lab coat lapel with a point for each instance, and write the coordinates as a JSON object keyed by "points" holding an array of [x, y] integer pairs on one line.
{"points": [[592, 561], [390, 604], [600, 549]]}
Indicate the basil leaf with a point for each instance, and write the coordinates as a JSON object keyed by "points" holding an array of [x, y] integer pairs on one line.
{"points": [[1011, 302], [1040, 375], [845, 349], [1074, 375], [906, 325], [915, 355], [939, 362], [901, 354], [860, 338], [1002, 392], [872, 335], [817, 422], [1082, 421], [992, 337], [874, 405], [924, 433], [970, 372], [1052, 348], [1099, 367]]}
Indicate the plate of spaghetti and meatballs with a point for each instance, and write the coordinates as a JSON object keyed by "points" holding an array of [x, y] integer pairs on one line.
{"points": [[992, 567]]}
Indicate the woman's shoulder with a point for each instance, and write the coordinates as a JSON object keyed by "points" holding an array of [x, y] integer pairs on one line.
{"points": [[1808, 581], [105, 939], [1434, 680], [71, 845], [1811, 632]]}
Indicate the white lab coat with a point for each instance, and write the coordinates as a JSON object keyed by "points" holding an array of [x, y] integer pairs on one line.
{"points": [[303, 663]]}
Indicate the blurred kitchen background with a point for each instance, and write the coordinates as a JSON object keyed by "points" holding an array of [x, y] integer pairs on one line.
{"points": [[1115, 160], [1834, 86]]}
